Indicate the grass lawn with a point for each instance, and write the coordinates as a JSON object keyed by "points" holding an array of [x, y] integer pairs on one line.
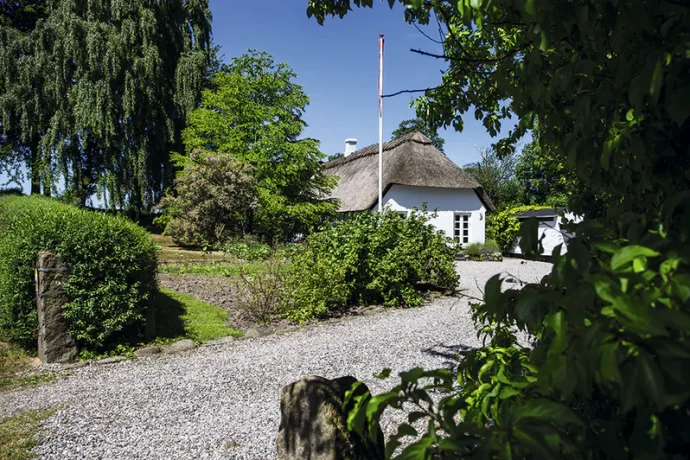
{"points": [[170, 253], [15, 364], [181, 316], [17, 434], [218, 268]]}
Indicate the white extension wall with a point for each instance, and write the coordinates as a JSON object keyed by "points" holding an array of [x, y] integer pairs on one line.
{"points": [[551, 234], [448, 201]]}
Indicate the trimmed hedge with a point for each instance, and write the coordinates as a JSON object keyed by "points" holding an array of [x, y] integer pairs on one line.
{"points": [[369, 258], [112, 269]]}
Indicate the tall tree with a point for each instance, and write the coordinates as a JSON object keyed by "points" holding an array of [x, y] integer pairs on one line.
{"points": [[254, 112], [608, 82], [419, 125], [96, 93], [497, 177], [544, 177], [22, 14]]}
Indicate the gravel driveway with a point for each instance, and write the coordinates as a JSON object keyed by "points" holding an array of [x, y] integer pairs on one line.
{"points": [[223, 401]]}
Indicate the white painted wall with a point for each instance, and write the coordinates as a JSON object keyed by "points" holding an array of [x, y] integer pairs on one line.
{"points": [[448, 201], [553, 234]]}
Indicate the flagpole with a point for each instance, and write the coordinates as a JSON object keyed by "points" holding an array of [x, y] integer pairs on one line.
{"points": [[380, 122]]}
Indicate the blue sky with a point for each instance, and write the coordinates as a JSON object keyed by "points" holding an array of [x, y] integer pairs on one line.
{"points": [[337, 64]]}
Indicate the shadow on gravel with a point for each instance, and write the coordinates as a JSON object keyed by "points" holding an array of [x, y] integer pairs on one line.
{"points": [[448, 352]]}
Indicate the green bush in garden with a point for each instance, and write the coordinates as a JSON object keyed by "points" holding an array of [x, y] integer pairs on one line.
{"points": [[112, 268], [248, 250], [503, 228], [367, 259], [477, 250]]}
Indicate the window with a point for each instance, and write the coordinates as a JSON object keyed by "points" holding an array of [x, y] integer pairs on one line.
{"points": [[461, 227], [402, 214]]}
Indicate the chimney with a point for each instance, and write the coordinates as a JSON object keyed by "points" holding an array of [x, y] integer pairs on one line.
{"points": [[350, 146]]}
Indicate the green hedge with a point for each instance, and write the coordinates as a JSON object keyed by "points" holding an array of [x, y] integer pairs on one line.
{"points": [[503, 228], [369, 258], [112, 263]]}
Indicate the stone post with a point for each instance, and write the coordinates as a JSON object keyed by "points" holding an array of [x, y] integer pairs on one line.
{"points": [[55, 344], [313, 423]]}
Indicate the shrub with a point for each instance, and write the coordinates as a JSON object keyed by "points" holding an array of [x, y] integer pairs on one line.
{"points": [[477, 250], [262, 295], [112, 268], [367, 259], [248, 250], [503, 228], [215, 191]]}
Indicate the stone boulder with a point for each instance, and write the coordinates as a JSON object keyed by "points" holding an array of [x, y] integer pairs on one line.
{"points": [[179, 346], [55, 344], [313, 423]]}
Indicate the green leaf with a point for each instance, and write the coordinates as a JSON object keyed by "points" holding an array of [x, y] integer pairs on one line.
{"points": [[604, 287], [652, 379], [377, 404], [548, 411], [609, 363], [558, 324], [628, 253], [657, 80], [508, 391]]}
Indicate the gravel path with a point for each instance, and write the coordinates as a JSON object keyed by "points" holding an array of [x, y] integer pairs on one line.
{"points": [[223, 401]]}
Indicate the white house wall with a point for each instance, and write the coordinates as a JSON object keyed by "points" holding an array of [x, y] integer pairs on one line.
{"points": [[447, 201], [552, 233]]}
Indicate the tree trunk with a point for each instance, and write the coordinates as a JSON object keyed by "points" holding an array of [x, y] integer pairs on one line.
{"points": [[35, 168], [44, 180]]}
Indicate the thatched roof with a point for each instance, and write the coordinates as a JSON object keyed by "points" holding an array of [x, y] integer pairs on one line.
{"points": [[410, 160]]}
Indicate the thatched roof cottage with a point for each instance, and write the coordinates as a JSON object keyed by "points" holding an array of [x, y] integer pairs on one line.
{"points": [[414, 172]]}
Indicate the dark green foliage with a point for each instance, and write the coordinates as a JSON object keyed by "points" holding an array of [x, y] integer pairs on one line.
{"points": [[112, 263], [22, 14], [419, 125], [496, 174], [335, 156], [16, 191], [214, 193], [609, 375], [370, 258], [94, 94], [544, 177], [503, 228]]}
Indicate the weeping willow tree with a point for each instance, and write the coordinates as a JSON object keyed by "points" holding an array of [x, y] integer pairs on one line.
{"points": [[93, 95]]}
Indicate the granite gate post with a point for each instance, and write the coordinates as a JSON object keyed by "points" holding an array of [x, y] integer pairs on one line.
{"points": [[55, 344]]}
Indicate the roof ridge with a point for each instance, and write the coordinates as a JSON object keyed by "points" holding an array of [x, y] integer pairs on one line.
{"points": [[373, 149]]}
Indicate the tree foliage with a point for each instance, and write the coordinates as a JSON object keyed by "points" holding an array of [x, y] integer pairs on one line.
{"points": [[419, 125], [497, 176], [95, 93], [254, 112], [22, 14], [544, 176], [609, 374], [214, 191]]}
